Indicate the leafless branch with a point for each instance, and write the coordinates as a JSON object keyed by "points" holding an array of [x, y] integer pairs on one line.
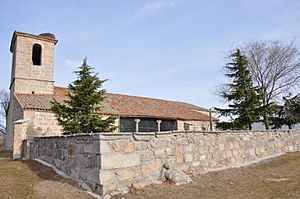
{"points": [[274, 65], [4, 105]]}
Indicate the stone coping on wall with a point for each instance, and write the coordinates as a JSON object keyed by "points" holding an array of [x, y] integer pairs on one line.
{"points": [[105, 135], [146, 136]]}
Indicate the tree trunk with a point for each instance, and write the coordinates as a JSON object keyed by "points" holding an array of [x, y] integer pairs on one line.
{"points": [[266, 122], [250, 127], [249, 124]]}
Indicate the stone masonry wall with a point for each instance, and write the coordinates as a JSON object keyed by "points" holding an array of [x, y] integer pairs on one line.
{"points": [[27, 77], [77, 156], [15, 113], [122, 159], [29, 85], [42, 124], [195, 125]]}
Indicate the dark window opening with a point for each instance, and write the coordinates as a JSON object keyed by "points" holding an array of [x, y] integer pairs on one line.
{"points": [[127, 124], [36, 54], [168, 125], [148, 125]]}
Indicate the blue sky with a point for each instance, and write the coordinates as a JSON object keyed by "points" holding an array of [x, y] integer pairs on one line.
{"points": [[169, 49]]}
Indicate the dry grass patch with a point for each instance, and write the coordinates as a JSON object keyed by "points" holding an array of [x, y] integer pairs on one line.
{"points": [[30, 179], [274, 178]]}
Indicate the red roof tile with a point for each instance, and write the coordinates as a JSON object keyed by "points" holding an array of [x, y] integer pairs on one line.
{"points": [[123, 105]]}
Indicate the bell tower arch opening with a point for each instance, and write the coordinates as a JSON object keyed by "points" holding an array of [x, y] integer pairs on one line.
{"points": [[36, 54], [32, 50]]}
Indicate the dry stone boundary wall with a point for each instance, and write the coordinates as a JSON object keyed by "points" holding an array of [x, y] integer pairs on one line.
{"points": [[106, 162]]}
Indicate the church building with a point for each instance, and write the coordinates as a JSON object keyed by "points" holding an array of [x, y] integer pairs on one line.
{"points": [[32, 89]]}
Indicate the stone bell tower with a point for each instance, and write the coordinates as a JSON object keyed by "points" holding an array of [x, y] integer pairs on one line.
{"points": [[31, 73], [33, 63]]}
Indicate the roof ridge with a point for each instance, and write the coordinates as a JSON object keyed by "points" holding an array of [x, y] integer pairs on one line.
{"points": [[151, 98], [137, 96], [36, 94]]}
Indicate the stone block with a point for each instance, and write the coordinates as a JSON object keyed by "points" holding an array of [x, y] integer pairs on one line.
{"points": [[212, 164], [226, 146], [91, 148], [106, 176], [229, 153], [116, 147], [178, 177], [129, 147], [189, 148], [147, 156], [79, 148], [124, 174], [252, 152], [169, 151], [90, 175], [179, 151], [159, 152], [237, 145], [151, 168], [144, 146], [119, 160], [235, 153], [105, 147], [188, 157], [179, 159], [202, 157], [182, 167]]}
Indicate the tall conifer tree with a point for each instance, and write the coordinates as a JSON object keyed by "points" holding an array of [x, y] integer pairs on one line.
{"points": [[243, 98], [80, 113], [288, 114]]}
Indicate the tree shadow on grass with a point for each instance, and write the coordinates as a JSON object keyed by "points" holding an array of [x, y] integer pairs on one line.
{"points": [[47, 173], [42, 171]]}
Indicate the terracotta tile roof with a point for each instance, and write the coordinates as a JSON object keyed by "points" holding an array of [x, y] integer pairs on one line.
{"points": [[122, 105]]}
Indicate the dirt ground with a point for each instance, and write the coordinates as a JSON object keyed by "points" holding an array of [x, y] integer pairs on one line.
{"points": [[274, 178], [30, 179]]}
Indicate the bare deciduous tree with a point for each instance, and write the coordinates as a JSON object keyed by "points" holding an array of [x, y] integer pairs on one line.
{"points": [[4, 104], [275, 69]]}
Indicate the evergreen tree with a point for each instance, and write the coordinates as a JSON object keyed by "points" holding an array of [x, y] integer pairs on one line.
{"points": [[243, 109], [80, 113], [288, 114]]}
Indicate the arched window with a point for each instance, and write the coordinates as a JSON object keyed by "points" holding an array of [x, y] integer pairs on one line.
{"points": [[36, 54]]}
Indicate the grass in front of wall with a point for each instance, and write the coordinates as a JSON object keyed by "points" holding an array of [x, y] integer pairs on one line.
{"points": [[275, 178], [16, 179], [30, 179]]}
